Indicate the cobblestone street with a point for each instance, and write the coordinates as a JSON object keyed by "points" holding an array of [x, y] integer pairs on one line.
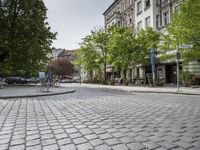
{"points": [[101, 120]]}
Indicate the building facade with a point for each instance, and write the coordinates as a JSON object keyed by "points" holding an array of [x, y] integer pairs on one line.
{"points": [[157, 14], [139, 14], [68, 55], [55, 53], [154, 13], [120, 12]]}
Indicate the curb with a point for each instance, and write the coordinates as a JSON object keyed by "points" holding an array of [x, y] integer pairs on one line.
{"points": [[39, 95], [159, 92], [178, 93]]}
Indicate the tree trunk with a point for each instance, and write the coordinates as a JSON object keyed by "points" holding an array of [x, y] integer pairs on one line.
{"points": [[91, 75], [124, 76], [105, 77], [113, 76], [99, 75]]}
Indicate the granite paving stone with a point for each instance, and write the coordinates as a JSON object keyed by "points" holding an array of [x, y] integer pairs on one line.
{"points": [[120, 147], [136, 146], [98, 119], [96, 142]]}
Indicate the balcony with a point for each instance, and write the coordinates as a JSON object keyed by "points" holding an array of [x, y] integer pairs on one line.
{"points": [[116, 15]]}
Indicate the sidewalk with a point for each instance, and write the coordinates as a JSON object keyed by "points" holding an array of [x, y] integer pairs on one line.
{"points": [[31, 91], [171, 90]]}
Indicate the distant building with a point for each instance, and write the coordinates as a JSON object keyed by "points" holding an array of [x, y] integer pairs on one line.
{"points": [[55, 53], [68, 55]]}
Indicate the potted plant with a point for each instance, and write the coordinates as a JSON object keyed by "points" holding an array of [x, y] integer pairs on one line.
{"points": [[186, 78]]}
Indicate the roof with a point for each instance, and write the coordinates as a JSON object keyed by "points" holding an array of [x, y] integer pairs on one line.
{"points": [[66, 53], [115, 1]]}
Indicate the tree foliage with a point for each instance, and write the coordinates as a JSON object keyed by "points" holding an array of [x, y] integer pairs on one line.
{"points": [[146, 39], [25, 36], [121, 46], [100, 42], [61, 67], [184, 29], [118, 46], [88, 56]]}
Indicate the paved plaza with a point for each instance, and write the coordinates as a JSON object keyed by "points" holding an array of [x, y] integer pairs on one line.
{"points": [[101, 119]]}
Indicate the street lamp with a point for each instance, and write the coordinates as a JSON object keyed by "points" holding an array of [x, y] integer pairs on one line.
{"points": [[177, 71]]}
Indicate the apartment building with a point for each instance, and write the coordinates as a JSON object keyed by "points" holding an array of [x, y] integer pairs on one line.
{"points": [[147, 13], [154, 13], [120, 12]]}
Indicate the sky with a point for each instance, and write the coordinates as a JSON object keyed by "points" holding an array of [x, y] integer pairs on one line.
{"points": [[74, 19]]}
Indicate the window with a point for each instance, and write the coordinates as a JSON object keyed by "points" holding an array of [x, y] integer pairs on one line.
{"points": [[166, 17], [176, 8], [130, 19], [139, 7], [121, 6], [147, 4], [158, 2], [118, 23], [139, 25], [147, 21], [124, 22], [165, 1], [2, 3], [130, 2], [124, 6], [157, 21]]}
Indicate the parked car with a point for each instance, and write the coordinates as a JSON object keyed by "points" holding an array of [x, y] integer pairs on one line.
{"points": [[16, 80], [33, 80], [76, 79], [66, 81], [2, 82]]}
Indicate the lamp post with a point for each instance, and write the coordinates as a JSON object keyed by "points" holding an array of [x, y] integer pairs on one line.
{"points": [[80, 70], [177, 69], [80, 75]]}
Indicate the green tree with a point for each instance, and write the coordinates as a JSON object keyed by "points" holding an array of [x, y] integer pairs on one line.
{"points": [[146, 39], [87, 56], [100, 42], [121, 45], [25, 36], [61, 67], [184, 29]]}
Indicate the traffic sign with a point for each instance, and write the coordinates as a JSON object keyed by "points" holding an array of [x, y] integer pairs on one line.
{"points": [[186, 46], [178, 56]]}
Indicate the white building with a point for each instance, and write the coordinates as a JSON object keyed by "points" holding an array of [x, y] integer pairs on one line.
{"points": [[157, 14], [148, 13], [154, 13]]}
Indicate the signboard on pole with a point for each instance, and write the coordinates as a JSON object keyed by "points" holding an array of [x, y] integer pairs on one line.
{"points": [[42, 75], [178, 56], [186, 46], [153, 66]]}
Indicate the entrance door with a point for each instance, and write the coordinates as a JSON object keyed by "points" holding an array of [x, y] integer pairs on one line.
{"points": [[168, 72]]}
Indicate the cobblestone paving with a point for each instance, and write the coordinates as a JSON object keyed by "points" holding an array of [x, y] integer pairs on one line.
{"points": [[101, 120]]}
